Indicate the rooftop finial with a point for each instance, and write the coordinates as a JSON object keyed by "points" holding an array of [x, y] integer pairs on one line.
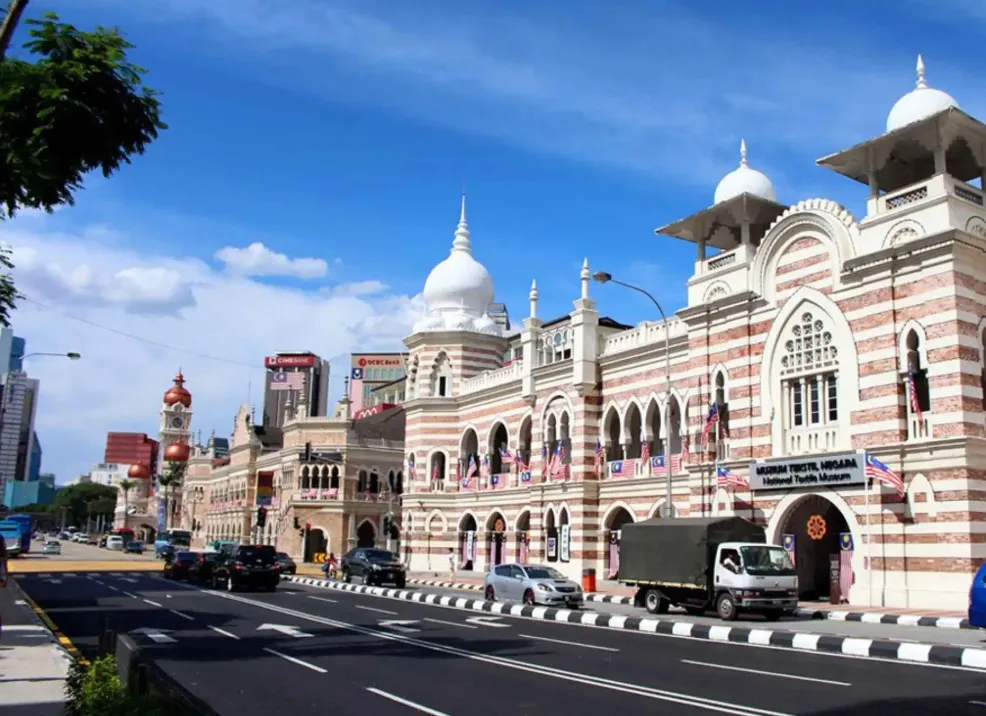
{"points": [[743, 162], [922, 82], [462, 242]]}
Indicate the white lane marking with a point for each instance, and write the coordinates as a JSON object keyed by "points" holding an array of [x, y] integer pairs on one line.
{"points": [[299, 662], [537, 669], [568, 643], [24, 627], [132, 596], [224, 632], [978, 703], [115, 589], [167, 596], [455, 624], [183, 615], [324, 599], [374, 609], [766, 673], [405, 702], [153, 604]]}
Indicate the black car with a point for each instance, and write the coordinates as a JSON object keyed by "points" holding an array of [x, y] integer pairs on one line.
{"points": [[201, 571], [179, 565], [285, 563], [134, 547], [246, 566], [373, 566]]}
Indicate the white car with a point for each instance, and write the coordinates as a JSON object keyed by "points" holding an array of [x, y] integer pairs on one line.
{"points": [[532, 584], [52, 547], [114, 542]]}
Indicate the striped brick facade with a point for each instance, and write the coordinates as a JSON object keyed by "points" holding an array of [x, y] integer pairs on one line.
{"points": [[877, 304]]}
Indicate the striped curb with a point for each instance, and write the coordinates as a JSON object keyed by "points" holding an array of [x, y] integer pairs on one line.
{"points": [[37, 615], [910, 652], [832, 614]]}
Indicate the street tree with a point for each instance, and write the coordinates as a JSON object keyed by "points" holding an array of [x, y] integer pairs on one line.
{"points": [[74, 105]]}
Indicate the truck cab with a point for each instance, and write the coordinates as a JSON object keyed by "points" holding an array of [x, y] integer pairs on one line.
{"points": [[758, 578]]}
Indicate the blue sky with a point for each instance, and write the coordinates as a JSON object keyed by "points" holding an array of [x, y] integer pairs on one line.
{"points": [[343, 132]]}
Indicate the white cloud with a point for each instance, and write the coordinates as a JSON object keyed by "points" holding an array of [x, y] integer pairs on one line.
{"points": [[359, 288], [183, 303], [257, 260]]}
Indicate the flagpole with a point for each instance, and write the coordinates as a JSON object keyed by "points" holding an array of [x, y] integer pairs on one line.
{"points": [[869, 539]]}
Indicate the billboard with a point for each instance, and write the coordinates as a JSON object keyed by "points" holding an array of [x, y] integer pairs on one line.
{"points": [[265, 488], [375, 410], [381, 362], [290, 360]]}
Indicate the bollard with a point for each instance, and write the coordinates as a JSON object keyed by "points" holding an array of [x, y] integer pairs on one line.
{"points": [[589, 579]]}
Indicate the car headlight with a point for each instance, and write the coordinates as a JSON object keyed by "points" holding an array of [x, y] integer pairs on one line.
{"points": [[545, 587], [578, 589], [374, 567]]}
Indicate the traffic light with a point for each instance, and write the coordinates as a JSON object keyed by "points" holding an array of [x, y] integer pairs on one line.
{"points": [[261, 516]]}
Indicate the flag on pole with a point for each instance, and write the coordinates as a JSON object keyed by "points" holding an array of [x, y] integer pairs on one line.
{"points": [[846, 577], [657, 464], [711, 419], [356, 390], [484, 471], [506, 457], [557, 466], [876, 470], [284, 380], [685, 440], [727, 478], [434, 473], [913, 391], [544, 461], [471, 469], [645, 453], [411, 471], [598, 458]]}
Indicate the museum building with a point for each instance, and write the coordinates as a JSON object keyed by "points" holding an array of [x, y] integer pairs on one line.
{"points": [[823, 343]]}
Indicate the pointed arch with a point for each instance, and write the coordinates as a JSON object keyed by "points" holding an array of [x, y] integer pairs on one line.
{"points": [[441, 375], [551, 406], [491, 517], [612, 509], [653, 419], [920, 486], [720, 369], [436, 519], [628, 413], [519, 522], [770, 382], [463, 520], [911, 325], [782, 511], [470, 427], [655, 510]]}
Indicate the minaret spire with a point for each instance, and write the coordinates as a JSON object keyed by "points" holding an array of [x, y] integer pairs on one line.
{"points": [[743, 162], [922, 82], [462, 242]]}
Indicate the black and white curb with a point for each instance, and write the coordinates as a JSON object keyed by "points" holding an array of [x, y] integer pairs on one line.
{"points": [[848, 646], [832, 614]]}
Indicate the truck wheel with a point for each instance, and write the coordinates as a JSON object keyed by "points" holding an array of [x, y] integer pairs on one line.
{"points": [[726, 606], [655, 603], [490, 594], [529, 597]]}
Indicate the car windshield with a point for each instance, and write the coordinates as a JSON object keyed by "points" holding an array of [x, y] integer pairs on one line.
{"points": [[544, 573], [186, 556], [767, 560], [379, 555], [283, 555], [256, 551]]}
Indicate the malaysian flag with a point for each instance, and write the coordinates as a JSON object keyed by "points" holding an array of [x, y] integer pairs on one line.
{"points": [[685, 440], [711, 419], [484, 471], [645, 453], [845, 564], [471, 468], [557, 467], [657, 464], [521, 465], [412, 472], [356, 390], [506, 457], [544, 461], [622, 468], [913, 390], [283, 380], [727, 478], [876, 470], [434, 473], [599, 457]]}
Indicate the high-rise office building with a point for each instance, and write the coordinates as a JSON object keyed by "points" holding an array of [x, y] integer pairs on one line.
{"points": [[282, 381], [370, 371], [131, 449], [18, 408]]}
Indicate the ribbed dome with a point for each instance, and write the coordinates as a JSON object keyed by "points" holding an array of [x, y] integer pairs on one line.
{"points": [[459, 290], [178, 393], [744, 180], [920, 103], [177, 452]]}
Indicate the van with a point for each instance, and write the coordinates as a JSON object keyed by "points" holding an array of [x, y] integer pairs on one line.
{"points": [[977, 598], [114, 542]]}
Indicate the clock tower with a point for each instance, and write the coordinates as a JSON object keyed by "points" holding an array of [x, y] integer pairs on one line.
{"points": [[176, 421]]}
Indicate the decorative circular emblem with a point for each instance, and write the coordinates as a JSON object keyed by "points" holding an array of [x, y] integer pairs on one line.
{"points": [[177, 422], [816, 527], [498, 525]]}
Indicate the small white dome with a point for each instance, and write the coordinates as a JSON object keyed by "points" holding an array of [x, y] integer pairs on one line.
{"points": [[744, 180], [459, 290], [920, 103]]}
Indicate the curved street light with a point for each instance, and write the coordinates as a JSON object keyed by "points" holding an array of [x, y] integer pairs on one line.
{"points": [[603, 277]]}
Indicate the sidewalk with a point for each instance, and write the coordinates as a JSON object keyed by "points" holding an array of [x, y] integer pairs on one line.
{"points": [[612, 592], [33, 667]]}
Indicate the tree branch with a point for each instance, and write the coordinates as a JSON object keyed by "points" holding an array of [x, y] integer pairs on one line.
{"points": [[10, 22]]}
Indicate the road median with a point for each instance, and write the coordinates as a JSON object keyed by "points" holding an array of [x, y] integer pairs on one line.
{"points": [[52, 566]]}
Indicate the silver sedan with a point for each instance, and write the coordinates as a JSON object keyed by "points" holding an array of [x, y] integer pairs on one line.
{"points": [[532, 584]]}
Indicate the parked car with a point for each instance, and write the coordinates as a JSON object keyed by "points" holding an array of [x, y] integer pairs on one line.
{"points": [[114, 542], [532, 584], [134, 547], [52, 547], [180, 564], [246, 566], [373, 566], [285, 563]]}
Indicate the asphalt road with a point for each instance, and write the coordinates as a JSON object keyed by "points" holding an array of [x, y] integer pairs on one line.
{"points": [[925, 635], [303, 650]]}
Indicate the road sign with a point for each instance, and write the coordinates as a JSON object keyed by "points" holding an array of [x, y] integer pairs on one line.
{"points": [[399, 625], [486, 621], [158, 636], [285, 629]]}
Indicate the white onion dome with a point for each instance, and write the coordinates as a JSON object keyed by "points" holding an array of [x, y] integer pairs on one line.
{"points": [[744, 180], [920, 103], [459, 290]]}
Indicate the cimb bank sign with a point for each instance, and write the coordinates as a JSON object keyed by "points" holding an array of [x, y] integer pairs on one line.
{"points": [[831, 470]]}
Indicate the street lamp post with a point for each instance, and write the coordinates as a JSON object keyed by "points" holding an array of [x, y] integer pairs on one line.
{"points": [[8, 389], [603, 277]]}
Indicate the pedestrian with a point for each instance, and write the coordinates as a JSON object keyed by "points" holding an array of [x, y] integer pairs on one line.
{"points": [[451, 563]]}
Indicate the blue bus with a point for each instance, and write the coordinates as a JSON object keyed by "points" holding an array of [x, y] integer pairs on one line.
{"points": [[179, 539], [11, 533], [25, 524]]}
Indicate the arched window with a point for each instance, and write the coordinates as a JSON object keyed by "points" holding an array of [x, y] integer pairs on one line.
{"points": [[722, 406], [810, 380], [916, 388], [334, 479], [441, 377]]}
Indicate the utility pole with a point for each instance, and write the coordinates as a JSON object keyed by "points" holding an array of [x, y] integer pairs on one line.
{"points": [[9, 24]]}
